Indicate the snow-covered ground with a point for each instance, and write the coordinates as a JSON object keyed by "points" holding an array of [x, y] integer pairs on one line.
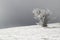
{"points": [[33, 32]]}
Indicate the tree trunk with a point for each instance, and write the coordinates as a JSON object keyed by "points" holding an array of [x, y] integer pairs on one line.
{"points": [[45, 22]]}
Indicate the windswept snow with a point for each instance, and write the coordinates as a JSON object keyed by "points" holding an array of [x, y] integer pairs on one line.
{"points": [[33, 32]]}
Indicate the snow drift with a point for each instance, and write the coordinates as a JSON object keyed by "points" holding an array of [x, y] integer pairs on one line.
{"points": [[33, 32]]}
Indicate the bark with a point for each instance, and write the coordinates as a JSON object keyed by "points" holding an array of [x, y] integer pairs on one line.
{"points": [[45, 22]]}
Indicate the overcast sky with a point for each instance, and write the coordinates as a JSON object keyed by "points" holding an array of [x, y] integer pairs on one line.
{"points": [[19, 12]]}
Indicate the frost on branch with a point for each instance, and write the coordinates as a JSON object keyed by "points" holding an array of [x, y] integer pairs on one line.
{"points": [[42, 16]]}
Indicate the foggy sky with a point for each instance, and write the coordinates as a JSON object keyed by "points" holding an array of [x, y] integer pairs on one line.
{"points": [[19, 12]]}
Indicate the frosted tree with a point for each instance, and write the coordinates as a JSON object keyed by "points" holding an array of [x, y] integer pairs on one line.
{"points": [[42, 16]]}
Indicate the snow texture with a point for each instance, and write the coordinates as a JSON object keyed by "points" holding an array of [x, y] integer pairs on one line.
{"points": [[33, 32]]}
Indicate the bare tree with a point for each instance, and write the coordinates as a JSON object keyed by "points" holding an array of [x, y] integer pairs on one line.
{"points": [[42, 16]]}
